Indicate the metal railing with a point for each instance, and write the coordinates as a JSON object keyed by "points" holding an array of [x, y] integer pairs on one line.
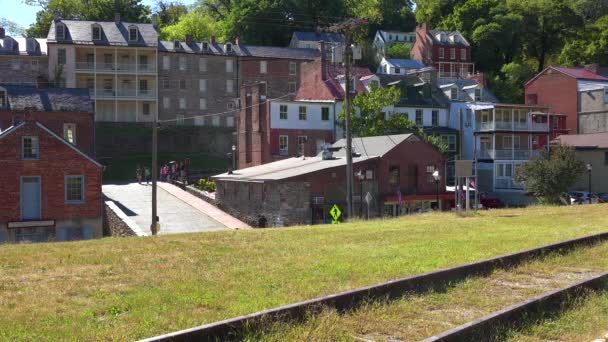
{"points": [[507, 154], [513, 126], [123, 93], [116, 67]]}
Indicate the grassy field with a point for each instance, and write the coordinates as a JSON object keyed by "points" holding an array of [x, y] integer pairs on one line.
{"points": [[416, 317], [586, 321], [129, 288]]}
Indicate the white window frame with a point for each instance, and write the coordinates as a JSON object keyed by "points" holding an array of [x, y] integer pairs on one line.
{"points": [[283, 145], [453, 53], [229, 65], [292, 88], [453, 93], [230, 121], [202, 104], [263, 67], [463, 54], [95, 28], [58, 35], [35, 142], [202, 85], [166, 102], [145, 105], [182, 63], [302, 113], [441, 53], [205, 46], [434, 114], [202, 64], [131, 30], [182, 103], [67, 178], [215, 121], [293, 68], [180, 119], [230, 86], [62, 52], [283, 114], [421, 112], [228, 48], [67, 127], [166, 63]]}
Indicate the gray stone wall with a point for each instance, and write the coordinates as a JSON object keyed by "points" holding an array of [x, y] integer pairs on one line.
{"points": [[218, 99], [117, 224], [23, 69], [593, 112], [252, 201]]}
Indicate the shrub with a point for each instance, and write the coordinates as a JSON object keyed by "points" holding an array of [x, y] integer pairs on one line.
{"points": [[205, 185]]}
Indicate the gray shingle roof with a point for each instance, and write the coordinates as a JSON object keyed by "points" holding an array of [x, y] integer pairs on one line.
{"points": [[80, 32], [376, 146], [406, 63], [317, 37], [242, 50], [433, 33], [48, 99]]}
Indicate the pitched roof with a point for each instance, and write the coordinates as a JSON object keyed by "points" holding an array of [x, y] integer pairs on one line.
{"points": [[433, 35], [22, 97], [405, 63], [317, 37], [241, 50], [593, 140], [80, 32], [577, 73], [18, 46], [376, 146], [412, 91], [313, 88]]}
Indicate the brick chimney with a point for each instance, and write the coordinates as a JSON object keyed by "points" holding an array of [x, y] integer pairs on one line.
{"points": [[480, 78], [594, 68], [2, 32], [189, 39], [117, 18], [155, 20], [212, 40], [323, 61], [237, 41]]}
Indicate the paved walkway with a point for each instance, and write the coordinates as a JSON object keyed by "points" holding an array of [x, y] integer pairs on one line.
{"points": [[175, 215], [204, 207]]}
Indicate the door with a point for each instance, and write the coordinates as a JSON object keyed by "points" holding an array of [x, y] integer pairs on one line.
{"points": [[30, 198]]}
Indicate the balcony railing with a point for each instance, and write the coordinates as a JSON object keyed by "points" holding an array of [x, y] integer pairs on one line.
{"points": [[513, 126], [118, 67], [517, 154], [124, 93], [507, 183]]}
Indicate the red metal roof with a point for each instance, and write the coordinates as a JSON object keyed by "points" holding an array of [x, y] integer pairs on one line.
{"points": [[581, 73]]}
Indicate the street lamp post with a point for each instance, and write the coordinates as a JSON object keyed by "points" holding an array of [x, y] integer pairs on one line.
{"points": [[234, 157], [360, 177], [589, 168], [437, 178]]}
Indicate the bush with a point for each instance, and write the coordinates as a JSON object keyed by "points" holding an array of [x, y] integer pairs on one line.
{"points": [[205, 185]]}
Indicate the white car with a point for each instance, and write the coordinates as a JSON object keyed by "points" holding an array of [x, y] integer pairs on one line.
{"points": [[579, 197]]}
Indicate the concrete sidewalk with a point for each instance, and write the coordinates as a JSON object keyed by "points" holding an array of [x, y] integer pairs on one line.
{"points": [[204, 207]]}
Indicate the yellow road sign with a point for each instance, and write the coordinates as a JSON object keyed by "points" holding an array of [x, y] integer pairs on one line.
{"points": [[335, 213]]}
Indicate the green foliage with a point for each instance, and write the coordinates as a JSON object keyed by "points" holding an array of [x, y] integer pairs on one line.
{"points": [[199, 26], [590, 45], [508, 85], [169, 12], [12, 28], [434, 140], [551, 174], [400, 50], [205, 185]]}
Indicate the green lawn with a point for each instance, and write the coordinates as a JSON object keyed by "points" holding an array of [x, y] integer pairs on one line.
{"points": [[123, 169], [129, 288]]}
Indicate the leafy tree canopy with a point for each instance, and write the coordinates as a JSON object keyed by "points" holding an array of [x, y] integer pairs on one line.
{"points": [[400, 50], [12, 28]]}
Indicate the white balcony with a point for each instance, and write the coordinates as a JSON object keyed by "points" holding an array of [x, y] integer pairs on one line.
{"points": [[516, 154], [115, 68], [513, 126], [128, 94]]}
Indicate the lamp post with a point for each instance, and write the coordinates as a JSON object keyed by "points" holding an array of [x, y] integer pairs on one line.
{"points": [[234, 157], [437, 178], [360, 176], [589, 168]]}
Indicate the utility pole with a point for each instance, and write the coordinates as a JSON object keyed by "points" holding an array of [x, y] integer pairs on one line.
{"points": [[346, 28], [154, 225]]}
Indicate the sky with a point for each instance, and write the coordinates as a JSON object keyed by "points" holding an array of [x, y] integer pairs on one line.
{"points": [[24, 15]]}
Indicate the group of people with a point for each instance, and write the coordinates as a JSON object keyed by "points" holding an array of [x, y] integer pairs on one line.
{"points": [[168, 172]]}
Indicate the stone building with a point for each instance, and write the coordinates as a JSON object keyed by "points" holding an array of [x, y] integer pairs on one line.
{"points": [[396, 170], [200, 81], [51, 191], [593, 108], [23, 60]]}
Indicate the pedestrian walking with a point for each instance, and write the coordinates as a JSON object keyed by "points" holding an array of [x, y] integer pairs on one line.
{"points": [[147, 174], [139, 173]]}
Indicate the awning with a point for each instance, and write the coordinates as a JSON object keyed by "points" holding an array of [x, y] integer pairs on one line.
{"points": [[410, 198]]}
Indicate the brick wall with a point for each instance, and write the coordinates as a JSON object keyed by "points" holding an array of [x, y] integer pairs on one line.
{"points": [[558, 92], [56, 161], [277, 76]]}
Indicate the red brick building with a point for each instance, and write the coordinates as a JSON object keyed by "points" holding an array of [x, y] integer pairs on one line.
{"points": [[559, 88], [67, 112], [396, 170], [448, 52], [51, 191]]}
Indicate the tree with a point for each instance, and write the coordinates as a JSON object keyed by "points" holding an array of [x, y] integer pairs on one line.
{"points": [[169, 12], [551, 174], [400, 50], [590, 45], [12, 28], [508, 85], [201, 27]]}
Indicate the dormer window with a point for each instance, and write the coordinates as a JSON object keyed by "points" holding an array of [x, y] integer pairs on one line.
{"points": [[60, 32], [8, 43], [176, 44], [96, 32], [205, 46], [228, 48], [133, 34], [454, 94], [441, 36]]}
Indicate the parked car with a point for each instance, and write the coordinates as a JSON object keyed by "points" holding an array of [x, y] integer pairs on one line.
{"points": [[602, 197], [580, 197]]}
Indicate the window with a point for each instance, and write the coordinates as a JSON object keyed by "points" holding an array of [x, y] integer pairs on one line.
{"points": [[132, 34], [202, 85], [205, 47], [533, 98], [419, 117], [61, 57], [283, 112], [302, 113], [263, 67], [182, 103], [229, 65], [230, 86], [292, 87], [180, 120], [325, 113], [228, 48], [429, 173], [441, 53], [215, 121], [3, 101], [166, 63], [463, 54], [182, 63], [454, 93], [60, 31], [397, 71], [74, 189], [477, 94], [166, 102], [230, 121], [450, 142], [606, 95], [435, 118], [96, 32], [176, 45], [202, 64], [15, 64], [29, 148], [302, 144], [230, 105], [283, 145], [469, 118], [394, 175], [145, 108], [292, 68], [34, 63], [182, 84], [143, 86], [166, 84], [69, 132], [202, 104], [555, 122], [453, 53]]}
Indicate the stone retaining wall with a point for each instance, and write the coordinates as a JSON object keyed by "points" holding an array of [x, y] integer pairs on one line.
{"points": [[117, 224]]}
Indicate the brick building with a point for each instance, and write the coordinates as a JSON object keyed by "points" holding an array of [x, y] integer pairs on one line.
{"points": [[448, 52], [578, 93], [51, 191], [396, 170], [67, 112], [23, 60], [199, 79]]}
